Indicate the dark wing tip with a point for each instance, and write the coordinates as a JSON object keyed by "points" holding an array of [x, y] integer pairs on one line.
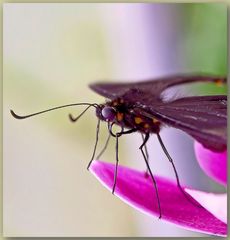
{"points": [[105, 89], [97, 85]]}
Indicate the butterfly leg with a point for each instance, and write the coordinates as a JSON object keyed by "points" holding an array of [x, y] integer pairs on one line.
{"points": [[122, 132], [116, 166], [104, 148], [147, 156], [117, 135], [95, 146], [175, 171], [146, 138]]}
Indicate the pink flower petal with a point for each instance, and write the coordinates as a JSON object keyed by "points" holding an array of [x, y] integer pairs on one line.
{"points": [[213, 163], [138, 191], [217, 206]]}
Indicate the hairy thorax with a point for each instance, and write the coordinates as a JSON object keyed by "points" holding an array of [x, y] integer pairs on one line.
{"points": [[130, 117]]}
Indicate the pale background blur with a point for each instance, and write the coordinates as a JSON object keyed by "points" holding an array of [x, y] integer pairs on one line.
{"points": [[51, 53]]}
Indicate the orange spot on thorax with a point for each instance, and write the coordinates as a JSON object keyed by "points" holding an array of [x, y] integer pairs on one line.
{"points": [[138, 120], [120, 116]]}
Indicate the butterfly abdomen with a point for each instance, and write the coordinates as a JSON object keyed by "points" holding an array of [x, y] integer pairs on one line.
{"points": [[146, 125]]}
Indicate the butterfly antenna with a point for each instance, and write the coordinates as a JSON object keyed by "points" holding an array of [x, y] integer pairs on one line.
{"points": [[72, 119], [188, 197], [51, 109]]}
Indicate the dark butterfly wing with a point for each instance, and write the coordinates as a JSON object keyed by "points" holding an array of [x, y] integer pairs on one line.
{"points": [[153, 87], [202, 117]]}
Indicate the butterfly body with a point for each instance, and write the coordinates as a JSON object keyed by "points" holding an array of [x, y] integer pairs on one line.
{"points": [[127, 116], [141, 106]]}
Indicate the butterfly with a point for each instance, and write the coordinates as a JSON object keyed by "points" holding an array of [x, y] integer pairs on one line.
{"points": [[141, 107]]}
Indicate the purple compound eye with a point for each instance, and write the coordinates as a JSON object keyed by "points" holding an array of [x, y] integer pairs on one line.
{"points": [[108, 113]]}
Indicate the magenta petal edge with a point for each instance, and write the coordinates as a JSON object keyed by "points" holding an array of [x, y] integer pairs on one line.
{"points": [[214, 164], [137, 191]]}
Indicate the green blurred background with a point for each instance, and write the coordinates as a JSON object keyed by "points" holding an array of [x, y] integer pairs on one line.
{"points": [[51, 53]]}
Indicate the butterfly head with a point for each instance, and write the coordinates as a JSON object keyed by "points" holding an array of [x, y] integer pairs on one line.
{"points": [[106, 113]]}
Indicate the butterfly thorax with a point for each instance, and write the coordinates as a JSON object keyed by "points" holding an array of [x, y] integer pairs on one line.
{"points": [[127, 115]]}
